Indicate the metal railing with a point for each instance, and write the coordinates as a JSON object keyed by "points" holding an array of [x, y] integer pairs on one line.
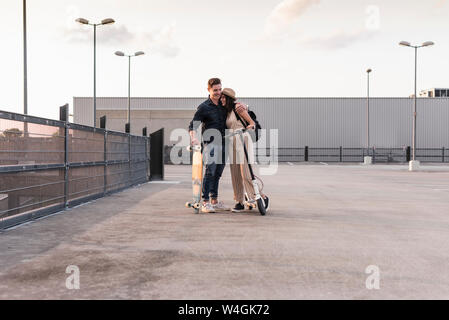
{"points": [[340, 154], [48, 165]]}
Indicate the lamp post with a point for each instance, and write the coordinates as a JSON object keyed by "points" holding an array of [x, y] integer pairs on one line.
{"points": [[25, 78], [121, 54], [103, 22], [414, 164], [368, 159]]}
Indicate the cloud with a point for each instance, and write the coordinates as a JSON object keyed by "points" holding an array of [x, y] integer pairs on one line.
{"points": [[441, 3], [285, 13], [288, 11], [163, 41], [338, 40], [108, 34]]}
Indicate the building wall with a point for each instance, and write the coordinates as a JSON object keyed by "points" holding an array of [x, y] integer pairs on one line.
{"points": [[435, 93], [315, 122]]}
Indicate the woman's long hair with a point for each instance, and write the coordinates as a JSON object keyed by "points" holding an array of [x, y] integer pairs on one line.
{"points": [[230, 103]]}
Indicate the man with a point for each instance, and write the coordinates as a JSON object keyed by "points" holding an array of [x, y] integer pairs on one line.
{"points": [[213, 117]]}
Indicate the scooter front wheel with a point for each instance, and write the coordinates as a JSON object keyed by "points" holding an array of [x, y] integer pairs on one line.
{"points": [[261, 206]]}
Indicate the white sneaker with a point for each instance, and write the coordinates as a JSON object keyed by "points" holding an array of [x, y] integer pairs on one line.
{"points": [[220, 206], [208, 208]]}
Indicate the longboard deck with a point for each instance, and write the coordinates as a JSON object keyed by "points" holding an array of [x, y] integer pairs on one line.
{"points": [[197, 178]]}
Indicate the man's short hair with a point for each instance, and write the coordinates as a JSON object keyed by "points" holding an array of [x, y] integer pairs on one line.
{"points": [[212, 82]]}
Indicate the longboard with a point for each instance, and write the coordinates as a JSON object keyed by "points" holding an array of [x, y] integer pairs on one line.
{"points": [[197, 177]]}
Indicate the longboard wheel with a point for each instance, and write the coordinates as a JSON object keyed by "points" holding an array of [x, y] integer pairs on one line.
{"points": [[188, 205], [250, 205], [196, 205], [194, 148]]}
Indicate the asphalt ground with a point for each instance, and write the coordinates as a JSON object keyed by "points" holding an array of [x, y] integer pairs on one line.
{"points": [[327, 226]]}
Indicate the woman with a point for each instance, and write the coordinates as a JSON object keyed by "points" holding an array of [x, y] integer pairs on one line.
{"points": [[241, 176]]}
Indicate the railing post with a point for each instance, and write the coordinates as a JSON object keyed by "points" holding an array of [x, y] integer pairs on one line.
{"points": [[341, 154], [149, 157], [374, 154], [157, 155], [443, 154], [128, 131], [146, 159], [129, 158], [64, 113], [103, 122], [306, 153], [408, 153], [105, 178], [144, 133], [66, 164]]}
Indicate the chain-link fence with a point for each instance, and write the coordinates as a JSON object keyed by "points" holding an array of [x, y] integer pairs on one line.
{"points": [[47, 165]]}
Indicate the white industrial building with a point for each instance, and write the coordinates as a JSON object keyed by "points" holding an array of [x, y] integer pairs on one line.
{"points": [[313, 122]]}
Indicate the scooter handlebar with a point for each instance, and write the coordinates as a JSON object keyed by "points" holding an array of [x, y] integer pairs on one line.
{"points": [[236, 132]]}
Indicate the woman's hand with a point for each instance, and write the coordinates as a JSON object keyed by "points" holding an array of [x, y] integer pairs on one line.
{"points": [[242, 110], [240, 107]]}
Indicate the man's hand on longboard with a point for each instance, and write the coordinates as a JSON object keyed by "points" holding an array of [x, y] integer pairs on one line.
{"points": [[194, 142]]}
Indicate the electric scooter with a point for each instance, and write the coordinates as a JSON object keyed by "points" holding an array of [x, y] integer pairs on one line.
{"points": [[259, 200]]}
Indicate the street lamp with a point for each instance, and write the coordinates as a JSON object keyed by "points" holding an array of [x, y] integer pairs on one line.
{"points": [[368, 158], [103, 22], [414, 164], [121, 54]]}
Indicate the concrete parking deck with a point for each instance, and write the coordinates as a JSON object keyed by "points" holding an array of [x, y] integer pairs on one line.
{"points": [[327, 224]]}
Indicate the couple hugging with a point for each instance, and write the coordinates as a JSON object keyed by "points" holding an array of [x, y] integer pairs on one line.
{"points": [[219, 114]]}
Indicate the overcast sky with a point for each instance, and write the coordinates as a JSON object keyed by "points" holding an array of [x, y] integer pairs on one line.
{"points": [[260, 48]]}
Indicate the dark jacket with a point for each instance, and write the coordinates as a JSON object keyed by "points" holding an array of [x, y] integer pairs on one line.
{"points": [[211, 115]]}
